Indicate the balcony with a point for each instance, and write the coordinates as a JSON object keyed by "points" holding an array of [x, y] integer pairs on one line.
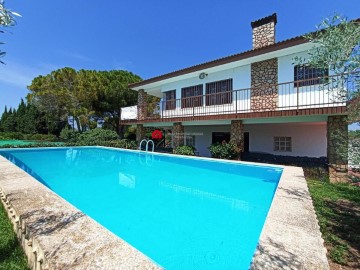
{"points": [[325, 95]]}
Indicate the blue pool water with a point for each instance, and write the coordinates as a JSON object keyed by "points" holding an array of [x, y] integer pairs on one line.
{"points": [[182, 213]]}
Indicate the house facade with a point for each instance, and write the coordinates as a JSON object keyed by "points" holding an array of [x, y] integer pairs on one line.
{"points": [[257, 99]]}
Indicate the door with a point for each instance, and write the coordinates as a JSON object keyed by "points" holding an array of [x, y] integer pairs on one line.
{"points": [[246, 142]]}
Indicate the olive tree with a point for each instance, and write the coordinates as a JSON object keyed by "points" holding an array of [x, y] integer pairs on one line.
{"points": [[7, 18], [337, 48]]}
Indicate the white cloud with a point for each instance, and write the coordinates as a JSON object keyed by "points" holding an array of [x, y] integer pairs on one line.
{"points": [[20, 75], [76, 55], [123, 65]]}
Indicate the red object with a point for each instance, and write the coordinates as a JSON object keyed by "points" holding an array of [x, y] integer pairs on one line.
{"points": [[156, 135]]}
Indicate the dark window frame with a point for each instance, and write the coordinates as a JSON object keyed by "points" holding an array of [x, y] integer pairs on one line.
{"points": [[169, 99], [306, 76], [192, 96], [219, 92]]}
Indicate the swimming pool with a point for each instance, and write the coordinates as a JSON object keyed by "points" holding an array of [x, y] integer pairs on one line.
{"points": [[184, 213]]}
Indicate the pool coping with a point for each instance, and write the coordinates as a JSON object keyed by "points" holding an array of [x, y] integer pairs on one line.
{"points": [[50, 228]]}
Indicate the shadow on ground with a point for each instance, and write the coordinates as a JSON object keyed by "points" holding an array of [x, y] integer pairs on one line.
{"points": [[274, 256]]}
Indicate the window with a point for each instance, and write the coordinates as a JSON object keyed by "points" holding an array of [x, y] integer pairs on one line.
{"points": [[305, 75], [219, 137], [170, 100], [192, 96], [219, 92], [282, 144], [190, 140]]}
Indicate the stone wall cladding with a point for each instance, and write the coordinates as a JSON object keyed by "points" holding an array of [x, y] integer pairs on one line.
{"points": [[142, 105], [264, 79], [337, 148], [140, 132], [263, 35], [237, 134], [178, 135]]}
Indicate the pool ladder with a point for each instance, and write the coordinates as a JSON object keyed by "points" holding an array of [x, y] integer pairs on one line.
{"points": [[147, 145]]}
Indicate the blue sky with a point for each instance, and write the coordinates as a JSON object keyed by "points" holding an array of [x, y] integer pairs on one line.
{"points": [[148, 38]]}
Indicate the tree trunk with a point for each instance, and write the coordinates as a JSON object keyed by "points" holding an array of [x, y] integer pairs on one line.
{"points": [[78, 125]]}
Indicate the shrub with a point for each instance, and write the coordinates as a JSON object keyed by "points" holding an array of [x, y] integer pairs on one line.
{"points": [[41, 137], [12, 135], [130, 133], [34, 145], [97, 136], [124, 143], [69, 135], [184, 150], [224, 150]]}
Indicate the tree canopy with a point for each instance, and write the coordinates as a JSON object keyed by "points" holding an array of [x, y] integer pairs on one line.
{"points": [[84, 95], [337, 48]]}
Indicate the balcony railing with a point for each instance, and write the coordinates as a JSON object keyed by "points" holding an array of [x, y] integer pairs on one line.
{"points": [[330, 91]]}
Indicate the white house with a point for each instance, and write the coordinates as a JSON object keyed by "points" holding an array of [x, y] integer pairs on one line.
{"points": [[257, 99]]}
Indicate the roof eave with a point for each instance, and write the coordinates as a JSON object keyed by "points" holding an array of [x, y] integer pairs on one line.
{"points": [[225, 60]]}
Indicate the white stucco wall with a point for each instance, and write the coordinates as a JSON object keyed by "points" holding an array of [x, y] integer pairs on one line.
{"points": [[308, 139], [241, 79], [307, 95], [290, 97]]}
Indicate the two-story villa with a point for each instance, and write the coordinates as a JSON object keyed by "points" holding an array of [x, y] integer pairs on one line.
{"points": [[257, 99]]}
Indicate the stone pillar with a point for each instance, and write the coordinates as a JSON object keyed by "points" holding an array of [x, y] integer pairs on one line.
{"points": [[178, 135], [263, 31], [142, 105], [140, 132], [264, 89], [237, 134], [337, 148]]}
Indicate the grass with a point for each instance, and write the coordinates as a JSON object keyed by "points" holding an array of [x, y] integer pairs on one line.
{"points": [[338, 210], [12, 256]]}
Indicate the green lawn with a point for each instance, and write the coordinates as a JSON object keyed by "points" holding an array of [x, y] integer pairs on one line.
{"points": [[11, 253], [338, 210]]}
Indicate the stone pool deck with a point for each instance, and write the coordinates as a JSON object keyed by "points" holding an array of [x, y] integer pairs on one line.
{"points": [[291, 237], [56, 235]]}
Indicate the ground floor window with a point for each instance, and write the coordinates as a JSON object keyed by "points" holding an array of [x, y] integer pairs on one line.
{"points": [[190, 140], [282, 144], [219, 137]]}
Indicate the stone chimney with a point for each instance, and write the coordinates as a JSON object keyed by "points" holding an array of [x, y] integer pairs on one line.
{"points": [[263, 31]]}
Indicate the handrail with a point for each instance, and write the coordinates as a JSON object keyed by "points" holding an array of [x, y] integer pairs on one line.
{"points": [[147, 145], [264, 85], [319, 92], [144, 140]]}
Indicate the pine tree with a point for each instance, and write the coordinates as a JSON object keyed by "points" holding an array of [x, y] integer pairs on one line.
{"points": [[3, 118], [9, 124], [21, 117]]}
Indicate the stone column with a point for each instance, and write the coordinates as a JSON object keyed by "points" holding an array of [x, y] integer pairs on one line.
{"points": [[178, 135], [142, 105], [337, 148], [237, 134], [140, 132], [264, 89]]}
